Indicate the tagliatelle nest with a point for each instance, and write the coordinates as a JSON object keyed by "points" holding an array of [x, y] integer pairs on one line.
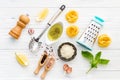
{"points": [[104, 40], [72, 16], [72, 31]]}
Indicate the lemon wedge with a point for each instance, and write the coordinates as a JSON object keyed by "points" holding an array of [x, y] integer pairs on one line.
{"points": [[22, 59], [42, 15]]}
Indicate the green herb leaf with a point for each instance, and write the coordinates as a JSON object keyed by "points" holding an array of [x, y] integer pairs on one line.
{"points": [[89, 70], [94, 64], [104, 61], [88, 55], [96, 60], [97, 56]]}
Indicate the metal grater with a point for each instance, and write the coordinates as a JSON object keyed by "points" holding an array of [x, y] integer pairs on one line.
{"points": [[89, 36]]}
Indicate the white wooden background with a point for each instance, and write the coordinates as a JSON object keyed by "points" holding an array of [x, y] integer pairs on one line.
{"points": [[10, 10]]}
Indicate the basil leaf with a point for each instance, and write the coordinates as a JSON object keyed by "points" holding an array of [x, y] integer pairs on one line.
{"points": [[97, 56], [88, 55], [96, 60], [104, 61], [94, 64]]}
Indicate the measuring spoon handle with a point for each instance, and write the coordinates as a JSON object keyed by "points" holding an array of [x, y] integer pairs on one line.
{"points": [[62, 7], [44, 74], [56, 15], [37, 69]]}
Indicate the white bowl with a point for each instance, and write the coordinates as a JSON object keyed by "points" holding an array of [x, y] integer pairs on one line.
{"points": [[48, 41]]}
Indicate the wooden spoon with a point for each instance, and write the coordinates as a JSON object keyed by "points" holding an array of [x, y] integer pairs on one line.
{"points": [[48, 67], [41, 63]]}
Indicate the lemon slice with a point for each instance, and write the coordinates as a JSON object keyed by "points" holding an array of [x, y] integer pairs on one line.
{"points": [[42, 15], [22, 59]]}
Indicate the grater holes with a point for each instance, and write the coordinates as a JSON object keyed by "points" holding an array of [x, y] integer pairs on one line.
{"points": [[89, 35], [92, 37], [89, 40], [85, 34], [97, 32], [94, 34], [84, 37], [88, 30], [89, 27], [98, 28], [94, 25]]}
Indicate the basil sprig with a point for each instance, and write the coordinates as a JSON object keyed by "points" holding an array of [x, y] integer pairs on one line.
{"points": [[94, 60]]}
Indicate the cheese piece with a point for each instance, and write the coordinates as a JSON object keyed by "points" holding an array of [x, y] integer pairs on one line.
{"points": [[67, 51]]}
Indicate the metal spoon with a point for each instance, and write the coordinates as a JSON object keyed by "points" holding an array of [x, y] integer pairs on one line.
{"points": [[34, 45]]}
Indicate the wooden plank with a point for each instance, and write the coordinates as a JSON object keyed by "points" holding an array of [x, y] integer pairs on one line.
{"points": [[9, 17], [10, 10], [23, 41], [56, 3], [79, 63], [10, 66]]}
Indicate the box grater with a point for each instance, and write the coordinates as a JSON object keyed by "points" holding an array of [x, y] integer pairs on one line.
{"points": [[89, 36]]}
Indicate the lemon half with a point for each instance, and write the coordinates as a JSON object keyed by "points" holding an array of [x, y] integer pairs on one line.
{"points": [[42, 15]]}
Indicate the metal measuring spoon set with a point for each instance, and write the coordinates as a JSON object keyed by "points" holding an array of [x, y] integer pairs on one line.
{"points": [[35, 44]]}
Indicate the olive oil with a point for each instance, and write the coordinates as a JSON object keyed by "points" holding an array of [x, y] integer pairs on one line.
{"points": [[55, 31]]}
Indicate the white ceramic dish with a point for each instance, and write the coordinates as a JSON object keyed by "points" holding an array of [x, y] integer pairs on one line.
{"points": [[48, 41]]}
